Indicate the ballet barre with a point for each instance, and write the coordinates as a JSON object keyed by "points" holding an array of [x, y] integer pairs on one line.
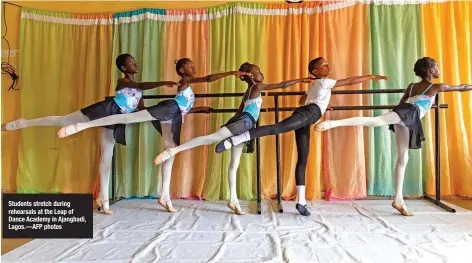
{"points": [[276, 109]]}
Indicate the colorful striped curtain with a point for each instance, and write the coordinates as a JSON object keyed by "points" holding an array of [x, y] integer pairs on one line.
{"points": [[355, 37], [156, 43], [64, 66]]}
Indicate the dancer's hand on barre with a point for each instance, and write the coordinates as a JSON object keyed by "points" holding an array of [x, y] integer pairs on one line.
{"points": [[330, 108], [202, 109]]}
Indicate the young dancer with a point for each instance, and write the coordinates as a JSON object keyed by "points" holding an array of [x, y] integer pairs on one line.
{"points": [[245, 118], [316, 102], [166, 117], [128, 96], [405, 119]]}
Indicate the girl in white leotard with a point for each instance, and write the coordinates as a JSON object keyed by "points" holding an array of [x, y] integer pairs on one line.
{"points": [[406, 117]]}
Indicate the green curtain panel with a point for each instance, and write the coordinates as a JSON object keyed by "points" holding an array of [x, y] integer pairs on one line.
{"points": [[141, 36], [234, 40], [396, 44]]}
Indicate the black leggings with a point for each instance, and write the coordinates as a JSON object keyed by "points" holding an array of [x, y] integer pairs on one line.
{"points": [[299, 122]]}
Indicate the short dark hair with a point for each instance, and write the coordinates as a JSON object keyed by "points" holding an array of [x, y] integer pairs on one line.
{"points": [[120, 61], [312, 64], [179, 64], [422, 65], [245, 67]]}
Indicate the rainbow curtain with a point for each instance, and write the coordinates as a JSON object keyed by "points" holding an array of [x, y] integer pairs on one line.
{"points": [[64, 66], [345, 163]]}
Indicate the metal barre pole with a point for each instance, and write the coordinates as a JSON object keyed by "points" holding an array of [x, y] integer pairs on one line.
{"points": [[338, 92], [382, 107], [113, 176], [277, 155], [258, 175], [276, 109], [287, 93], [437, 200], [438, 151]]}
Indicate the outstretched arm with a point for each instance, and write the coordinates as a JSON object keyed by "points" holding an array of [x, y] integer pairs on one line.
{"points": [[358, 79], [127, 83], [447, 88], [283, 85], [213, 77]]}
